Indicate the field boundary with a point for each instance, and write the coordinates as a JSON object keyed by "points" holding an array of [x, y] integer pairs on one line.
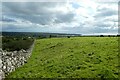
{"points": [[14, 59]]}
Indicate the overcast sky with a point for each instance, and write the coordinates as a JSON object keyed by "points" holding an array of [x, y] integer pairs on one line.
{"points": [[84, 17]]}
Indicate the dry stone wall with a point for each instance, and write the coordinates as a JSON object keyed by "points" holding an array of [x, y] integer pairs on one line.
{"points": [[9, 61]]}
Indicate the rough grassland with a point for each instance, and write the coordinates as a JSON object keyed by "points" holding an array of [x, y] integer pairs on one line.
{"points": [[82, 57]]}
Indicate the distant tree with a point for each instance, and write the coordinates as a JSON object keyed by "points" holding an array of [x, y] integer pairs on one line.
{"points": [[118, 35], [40, 37], [24, 39], [101, 36], [17, 39], [68, 36], [50, 36]]}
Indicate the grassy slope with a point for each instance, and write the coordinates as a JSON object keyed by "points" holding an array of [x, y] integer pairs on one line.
{"points": [[83, 57]]}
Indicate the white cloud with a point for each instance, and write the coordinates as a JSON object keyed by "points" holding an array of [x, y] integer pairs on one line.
{"points": [[86, 17]]}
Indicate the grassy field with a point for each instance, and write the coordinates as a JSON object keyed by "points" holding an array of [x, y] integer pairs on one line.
{"points": [[79, 57]]}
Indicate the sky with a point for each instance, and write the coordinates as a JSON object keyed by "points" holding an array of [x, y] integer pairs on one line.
{"points": [[78, 17]]}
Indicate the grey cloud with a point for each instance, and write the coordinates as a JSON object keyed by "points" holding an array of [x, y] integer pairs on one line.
{"points": [[105, 12], [39, 13], [64, 18], [102, 24], [11, 27], [102, 30], [104, 18], [6, 19], [27, 7]]}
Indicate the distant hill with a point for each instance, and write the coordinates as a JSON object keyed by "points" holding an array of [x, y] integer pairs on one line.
{"points": [[37, 34]]}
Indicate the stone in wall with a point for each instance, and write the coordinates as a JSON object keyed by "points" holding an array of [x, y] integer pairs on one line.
{"points": [[1, 65], [9, 61]]}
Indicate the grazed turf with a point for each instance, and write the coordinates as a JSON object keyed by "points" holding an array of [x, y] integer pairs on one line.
{"points": [[82, 57]]}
